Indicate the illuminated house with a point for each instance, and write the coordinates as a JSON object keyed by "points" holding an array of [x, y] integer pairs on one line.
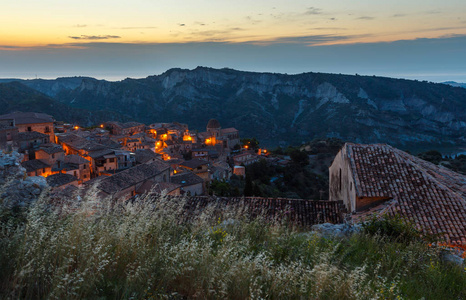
{"points": [[36, 167], [227, 138], [128, 128]]}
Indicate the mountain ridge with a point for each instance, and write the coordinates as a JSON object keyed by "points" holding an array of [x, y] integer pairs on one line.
{"points": [[280, 108]]}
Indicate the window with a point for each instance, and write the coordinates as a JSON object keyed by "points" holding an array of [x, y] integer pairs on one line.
{"points": [[84, 176], [43, 170], [111, 160], [340, 179], [53, 155], [47, 129], [85, 167], [75, 174], [29, 129]]}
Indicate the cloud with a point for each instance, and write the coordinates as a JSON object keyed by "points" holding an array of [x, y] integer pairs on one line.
{"points": [[313, 11], [333, 19], [365, 18], [309, 40], [129, 28], [94, 37], [80, 25], [328, 28], [399, 15], [181, 24]]}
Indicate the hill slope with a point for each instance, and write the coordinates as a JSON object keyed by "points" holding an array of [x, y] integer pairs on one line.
{"points": [[288, 108], [15, 96]]}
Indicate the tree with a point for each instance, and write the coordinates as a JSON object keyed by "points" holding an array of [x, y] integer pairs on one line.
{"points": [[299, 157], [248, 188]]}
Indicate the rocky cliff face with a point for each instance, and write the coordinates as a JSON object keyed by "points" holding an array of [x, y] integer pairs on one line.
{"points": [[287, 108]]}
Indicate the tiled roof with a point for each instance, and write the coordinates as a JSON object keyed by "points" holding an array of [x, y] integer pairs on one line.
{"points": [[101, 153], [28, 117], [31, 135], [51, 148], [75, 159], [297, 212], [228, 130], [60, 179], [143, 156], [194, 163], [186, 179], [132, 176], [34, 164], [159, 187], [432, 197]]}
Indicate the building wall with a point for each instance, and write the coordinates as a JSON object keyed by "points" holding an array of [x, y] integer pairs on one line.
{"points": [[193, 190], [7, 136], [50, 158], [341, 185], [45, 128], [41, 172]]}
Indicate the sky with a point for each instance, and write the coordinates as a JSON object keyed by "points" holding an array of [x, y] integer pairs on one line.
{"points": [[414, 39]]}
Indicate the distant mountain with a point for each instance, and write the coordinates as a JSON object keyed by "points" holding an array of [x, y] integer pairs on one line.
{"points": [[457, 84], [281, 108], [14, 96]]}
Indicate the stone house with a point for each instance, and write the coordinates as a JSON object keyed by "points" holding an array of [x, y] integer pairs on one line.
{"points": [[128, 129], [8, 134], [28, 141], [227, 138], [61, 180], [246, 158], [36, 167], [132, 181], [31, 121], [74, 165], [380, 179], [103, 161], [50, 153], [197, 166], [190, 183]]}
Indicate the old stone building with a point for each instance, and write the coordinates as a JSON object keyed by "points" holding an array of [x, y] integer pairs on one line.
{"points": [[132, 181], [215, 135], [8, 134], [31, 121], [381, 179]]}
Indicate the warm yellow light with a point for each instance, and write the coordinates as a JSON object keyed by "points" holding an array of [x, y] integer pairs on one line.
{"points": [[187, 138], [76, 127], [102, 126], [174, 172], [246, 147], [265, 151]]}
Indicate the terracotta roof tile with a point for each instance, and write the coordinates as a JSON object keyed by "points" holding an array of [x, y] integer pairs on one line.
{"points": [[431, 196]]}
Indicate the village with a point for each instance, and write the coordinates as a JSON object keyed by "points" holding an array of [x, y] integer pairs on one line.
{"points": [[125, 158]]}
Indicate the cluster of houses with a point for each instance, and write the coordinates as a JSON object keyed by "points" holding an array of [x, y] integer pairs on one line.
{"points": [[124, 159]]}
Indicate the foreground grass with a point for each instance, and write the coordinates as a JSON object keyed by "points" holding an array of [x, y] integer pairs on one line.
{"points": [[142, 252]]}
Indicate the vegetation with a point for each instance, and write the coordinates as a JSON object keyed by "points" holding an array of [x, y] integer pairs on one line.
{"points": [[143, 251], [457, 164]]}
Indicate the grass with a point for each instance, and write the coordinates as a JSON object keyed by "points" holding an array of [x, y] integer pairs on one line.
{"points": [[143, 251]]}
